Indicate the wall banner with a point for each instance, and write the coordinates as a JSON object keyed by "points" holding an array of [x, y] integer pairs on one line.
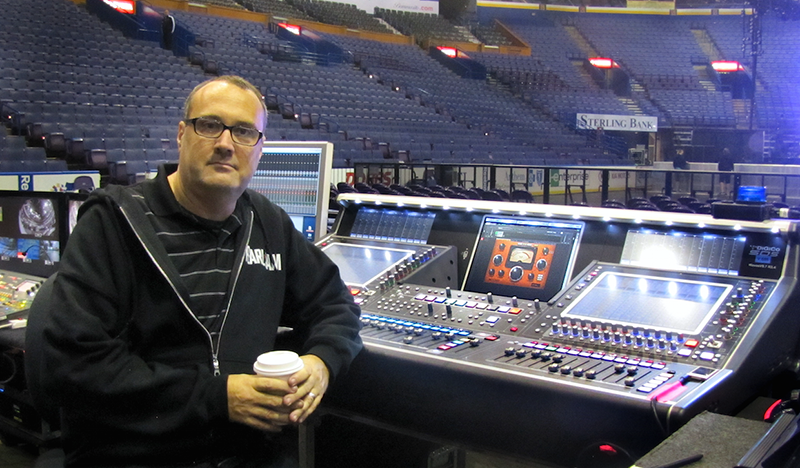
{"points": [[625, 123]]}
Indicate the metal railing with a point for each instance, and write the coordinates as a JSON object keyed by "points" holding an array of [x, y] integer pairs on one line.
{"points": [[590, 185]]}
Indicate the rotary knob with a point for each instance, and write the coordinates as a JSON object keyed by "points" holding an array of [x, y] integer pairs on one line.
{"points": [[516, 273]]}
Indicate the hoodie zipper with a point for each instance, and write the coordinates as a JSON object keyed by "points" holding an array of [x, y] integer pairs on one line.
{"points": [[214, 352]]}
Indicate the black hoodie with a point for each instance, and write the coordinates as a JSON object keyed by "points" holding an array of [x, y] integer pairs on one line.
{"points": [[124, 357]]}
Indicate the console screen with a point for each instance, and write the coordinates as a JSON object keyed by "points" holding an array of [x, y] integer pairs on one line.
{"points": [[703, 253], [677, 305], [523, 257], [30, 235], [358, 265], [393, 225]]}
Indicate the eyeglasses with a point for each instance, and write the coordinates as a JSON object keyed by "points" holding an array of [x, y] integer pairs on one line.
{"points": [[212, 128]]}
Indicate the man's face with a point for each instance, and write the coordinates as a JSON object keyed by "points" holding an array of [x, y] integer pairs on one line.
{"points": [[219, 164]]}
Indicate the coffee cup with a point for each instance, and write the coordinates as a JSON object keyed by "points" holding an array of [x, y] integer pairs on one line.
{"points": [[278, 364]]}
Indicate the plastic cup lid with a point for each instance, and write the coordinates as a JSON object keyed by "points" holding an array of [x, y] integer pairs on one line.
{"points": [[278, 363]]}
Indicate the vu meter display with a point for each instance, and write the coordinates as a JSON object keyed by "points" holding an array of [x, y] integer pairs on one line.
{"points": [[702, 253], [520, 263], [524, 257]]}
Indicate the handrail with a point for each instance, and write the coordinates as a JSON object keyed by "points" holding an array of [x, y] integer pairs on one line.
{"points": [[603, 181]]}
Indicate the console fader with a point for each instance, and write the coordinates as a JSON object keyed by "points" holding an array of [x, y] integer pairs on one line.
{"points": [[619, 351]]}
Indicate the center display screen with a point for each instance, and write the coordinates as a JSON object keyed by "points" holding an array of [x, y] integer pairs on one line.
{"points": [[524, 257], [676, 305]]}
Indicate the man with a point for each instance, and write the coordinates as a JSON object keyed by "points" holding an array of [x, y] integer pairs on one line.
{"points": [[167, 293], [167, 29], [725, 164]]}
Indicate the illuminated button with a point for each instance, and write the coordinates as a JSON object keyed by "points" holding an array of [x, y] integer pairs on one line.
{"points": [[691, 343], [420, 297], [685, 352], [492, 319], [513, 329], [706, 355], [504, 309]]}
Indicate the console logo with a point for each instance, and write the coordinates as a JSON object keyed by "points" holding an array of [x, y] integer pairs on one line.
{"points": [[764, 253]]}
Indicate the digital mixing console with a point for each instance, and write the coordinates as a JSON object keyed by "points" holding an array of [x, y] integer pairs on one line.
{"points": [[570, 325], [17, 292]]}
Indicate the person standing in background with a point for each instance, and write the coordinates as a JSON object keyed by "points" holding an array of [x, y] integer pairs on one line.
{"points": [[167, 29], [725, 163]]}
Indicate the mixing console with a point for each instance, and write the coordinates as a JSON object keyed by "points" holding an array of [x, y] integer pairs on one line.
{"points": [[561, 338], [17, 291], [611, 326]]}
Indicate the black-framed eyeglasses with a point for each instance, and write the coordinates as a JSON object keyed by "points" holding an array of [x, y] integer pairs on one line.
{"points": [[212, 128]]}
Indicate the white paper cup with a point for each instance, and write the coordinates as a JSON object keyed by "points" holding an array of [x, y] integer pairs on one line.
{"points": [[278, 364]]}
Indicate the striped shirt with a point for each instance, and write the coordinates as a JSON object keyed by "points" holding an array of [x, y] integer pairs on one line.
{"points": [[203, 252]]}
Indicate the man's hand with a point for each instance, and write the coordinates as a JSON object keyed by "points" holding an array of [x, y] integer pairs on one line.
{"points": [[259, 402], [269, 404], [311, 383]]}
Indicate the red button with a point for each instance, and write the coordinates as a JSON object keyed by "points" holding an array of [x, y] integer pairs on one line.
{"points": [[691, 343], [514, 310], [513, 329]]}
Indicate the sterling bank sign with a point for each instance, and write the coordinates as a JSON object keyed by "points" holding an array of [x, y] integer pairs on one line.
{"points": [[626, 123]]}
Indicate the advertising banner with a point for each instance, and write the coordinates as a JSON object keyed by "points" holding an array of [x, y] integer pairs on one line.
{"points": [[625, 123], [416, 6]]}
